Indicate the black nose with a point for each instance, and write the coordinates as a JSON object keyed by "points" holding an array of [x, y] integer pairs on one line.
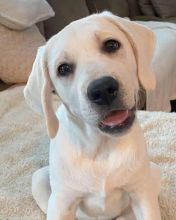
{"points": [[103, 91]]}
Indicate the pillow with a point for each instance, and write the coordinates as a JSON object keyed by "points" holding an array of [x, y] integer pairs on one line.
{"points": [[20, 14], [146, 7], [165, 8], [17, 53]]}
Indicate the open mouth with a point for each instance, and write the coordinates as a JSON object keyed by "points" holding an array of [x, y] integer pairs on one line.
{"points": [[117, 121]]}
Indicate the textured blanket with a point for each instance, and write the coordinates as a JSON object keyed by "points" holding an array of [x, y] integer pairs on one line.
{"points": [[24, 148]]}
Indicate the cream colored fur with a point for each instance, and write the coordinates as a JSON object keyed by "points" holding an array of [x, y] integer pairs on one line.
{"points": [[93, 175]]}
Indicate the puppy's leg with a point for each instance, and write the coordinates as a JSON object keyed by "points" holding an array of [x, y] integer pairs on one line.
{"points": [[130, 216], [62, 206], [41, 187], [144, 195], [156, 176], [127, 215]]}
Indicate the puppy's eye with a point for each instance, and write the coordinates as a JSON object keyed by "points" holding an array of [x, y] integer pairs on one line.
{"points": [[65, 69], [111, 46]]}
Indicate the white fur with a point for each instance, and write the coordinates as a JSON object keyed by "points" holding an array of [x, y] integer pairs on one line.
{"points": [[93, 175]]}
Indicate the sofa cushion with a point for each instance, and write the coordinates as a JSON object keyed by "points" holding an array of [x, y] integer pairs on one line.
{"points": [[65, 12], [165, 8], [119, 7], [146, 7], [134, 8]]}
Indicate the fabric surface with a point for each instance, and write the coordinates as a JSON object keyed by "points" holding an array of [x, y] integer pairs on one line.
{"points": [[24, 148], [17, 53], [134, 8], [154, 18], [4, 86], [164, 65], [165, 8], [118, 7], [20, 14], [146, 7], [65, 12]]}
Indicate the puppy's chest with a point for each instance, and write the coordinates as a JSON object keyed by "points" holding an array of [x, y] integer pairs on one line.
{"points": [[91, 175]]}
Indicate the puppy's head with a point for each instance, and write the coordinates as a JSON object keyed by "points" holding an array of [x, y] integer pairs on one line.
{"points": [[95, 65]]}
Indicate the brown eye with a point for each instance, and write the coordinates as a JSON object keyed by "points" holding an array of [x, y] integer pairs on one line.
{"points": [[111, 46], [65, 69]]}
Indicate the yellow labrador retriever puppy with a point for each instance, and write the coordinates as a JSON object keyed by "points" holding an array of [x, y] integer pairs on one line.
{"points": [[98, 164]]}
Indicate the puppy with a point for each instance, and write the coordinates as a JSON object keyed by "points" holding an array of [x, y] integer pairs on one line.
{"points": [[98, 164]]}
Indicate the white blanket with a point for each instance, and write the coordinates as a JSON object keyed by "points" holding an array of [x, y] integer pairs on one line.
{"points": [[164, 65], [24, 149]]}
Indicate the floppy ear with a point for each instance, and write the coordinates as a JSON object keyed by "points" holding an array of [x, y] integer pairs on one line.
{"points": [[142, 40], [38, 92]]}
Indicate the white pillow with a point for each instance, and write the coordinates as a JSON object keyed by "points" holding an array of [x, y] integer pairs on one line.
{"points": [[21, 14]]}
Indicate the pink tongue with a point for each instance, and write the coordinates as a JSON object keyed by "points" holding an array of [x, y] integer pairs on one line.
{"points": [[116, 117]]}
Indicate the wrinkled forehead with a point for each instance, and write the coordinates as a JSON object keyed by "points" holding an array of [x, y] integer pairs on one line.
{"points": [[85, 34]]}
